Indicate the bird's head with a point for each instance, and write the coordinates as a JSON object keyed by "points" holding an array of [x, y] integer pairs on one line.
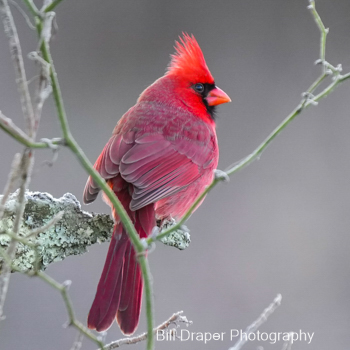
{"points": [[195, 85]]}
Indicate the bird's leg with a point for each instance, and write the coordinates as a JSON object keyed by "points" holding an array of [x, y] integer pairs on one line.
{"points": [[166, 223]]}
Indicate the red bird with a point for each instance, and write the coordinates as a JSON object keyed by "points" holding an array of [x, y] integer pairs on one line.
{"points": [[161, 156]]}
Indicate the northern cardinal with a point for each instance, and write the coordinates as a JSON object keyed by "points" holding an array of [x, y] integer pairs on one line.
{"points": [[161, 156]]}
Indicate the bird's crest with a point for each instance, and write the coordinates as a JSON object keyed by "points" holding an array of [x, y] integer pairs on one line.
{"points": [[188, 60]]}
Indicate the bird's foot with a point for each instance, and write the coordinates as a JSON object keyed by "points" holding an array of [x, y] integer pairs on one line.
{"points": [[167, 223]]}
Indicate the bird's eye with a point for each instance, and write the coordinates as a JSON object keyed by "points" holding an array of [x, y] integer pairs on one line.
{"points": [[199, 87]]}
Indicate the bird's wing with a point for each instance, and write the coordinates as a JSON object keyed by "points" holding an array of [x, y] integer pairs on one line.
{"points": [[107, 164], [159, 167], [157, 164]]}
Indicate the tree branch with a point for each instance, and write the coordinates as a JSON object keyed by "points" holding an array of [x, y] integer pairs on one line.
{"points": [[58, 236], [24, 173], [18, 134], [259, 321], [75, 148], [17, 58], [176, 318]]}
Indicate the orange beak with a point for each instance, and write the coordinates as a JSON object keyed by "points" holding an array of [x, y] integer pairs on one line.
{"points": [[217, 97]]}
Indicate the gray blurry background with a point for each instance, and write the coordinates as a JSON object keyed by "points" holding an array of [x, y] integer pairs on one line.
{"points": [[280, 226]]}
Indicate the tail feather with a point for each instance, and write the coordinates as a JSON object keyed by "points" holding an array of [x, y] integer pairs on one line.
{"points": [[119, 292], [130, 299], [107, 297], [131, 294]]}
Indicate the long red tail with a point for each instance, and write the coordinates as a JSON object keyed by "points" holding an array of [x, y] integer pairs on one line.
{"points": [[119, 292]]}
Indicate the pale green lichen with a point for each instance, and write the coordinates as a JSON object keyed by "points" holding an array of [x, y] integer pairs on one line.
{"points": [[178, 239], [72, 235]]}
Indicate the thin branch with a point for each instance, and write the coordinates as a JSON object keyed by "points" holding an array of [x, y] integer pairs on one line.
{"points": [[258, 322], [324, 31], [25, 16], [17, 58], [12, 177], [124, 217], [25, 169], [14, 131], [72, 144], [51, 6], [175, 318], [78, 342], [32, 8], [62, 288], [288, 344], [43, 88]]}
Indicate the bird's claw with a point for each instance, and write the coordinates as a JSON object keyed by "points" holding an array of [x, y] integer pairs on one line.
{"points": [[221, 175], [167, 223]]}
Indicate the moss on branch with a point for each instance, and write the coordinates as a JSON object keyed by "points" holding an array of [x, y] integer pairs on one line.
{"points": [[70, 235]]}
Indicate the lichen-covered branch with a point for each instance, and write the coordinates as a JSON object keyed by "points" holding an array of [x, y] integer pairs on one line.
{"points": [[71, 235]]}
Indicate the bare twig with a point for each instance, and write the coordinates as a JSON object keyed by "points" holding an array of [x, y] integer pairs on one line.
{"points": [[258, 322], [72, 321], [32, 8], [25, 16], [17, 58], [25, 169], [43, 88], [62, 288], [9, 127], [26, 165], [14, 131], [324, 31], [12, 177], [101, 183], [51, 6], [288, 344], [175, 318], [78, 342]]}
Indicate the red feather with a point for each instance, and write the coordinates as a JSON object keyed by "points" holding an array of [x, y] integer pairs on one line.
{"points": [[160, 158]]}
